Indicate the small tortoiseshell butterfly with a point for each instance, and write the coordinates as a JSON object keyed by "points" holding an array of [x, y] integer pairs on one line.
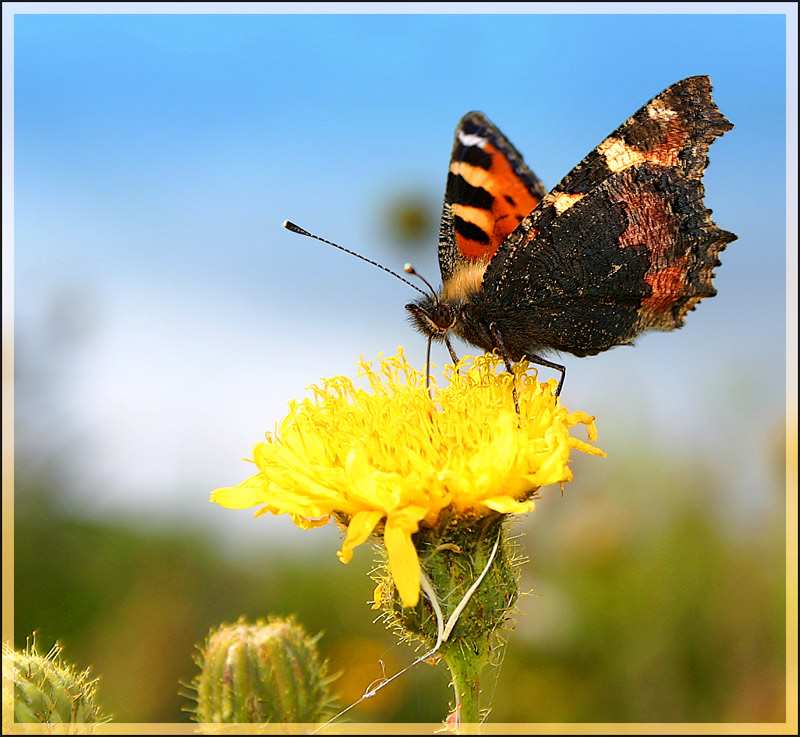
{"points": [[621, 245]]}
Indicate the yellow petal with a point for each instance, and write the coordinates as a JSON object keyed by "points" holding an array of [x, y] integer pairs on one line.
{"points": [[403, 559], [377, 595], [359, 529], [247, 494], [309, 524], [575, 418], [578, 444], [507, 505]]}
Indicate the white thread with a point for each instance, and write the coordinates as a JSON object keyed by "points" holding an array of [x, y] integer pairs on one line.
{"points": [[451, 622]]}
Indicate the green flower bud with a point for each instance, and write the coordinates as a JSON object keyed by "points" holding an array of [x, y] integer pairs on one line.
{"points": [[44, 690], [262, 672]]}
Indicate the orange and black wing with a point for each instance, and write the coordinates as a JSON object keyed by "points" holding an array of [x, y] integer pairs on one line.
{"points": [[489, 192]]}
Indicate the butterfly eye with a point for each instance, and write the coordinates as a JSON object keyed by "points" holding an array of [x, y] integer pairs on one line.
{"points": [[442, 316]]}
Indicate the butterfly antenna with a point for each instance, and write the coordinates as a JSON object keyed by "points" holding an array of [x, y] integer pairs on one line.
{"points": [[409, 269], [297, 229]]}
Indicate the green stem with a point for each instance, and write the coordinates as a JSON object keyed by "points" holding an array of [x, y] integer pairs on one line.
{"points": [[465, 669]]}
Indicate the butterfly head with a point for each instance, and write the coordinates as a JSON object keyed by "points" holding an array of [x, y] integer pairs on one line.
{"points": [[430, 314], [432, 317]]}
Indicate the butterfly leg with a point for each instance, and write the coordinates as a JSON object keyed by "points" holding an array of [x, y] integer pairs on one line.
{"points": [[428, 366], [452, 353], [501, 346], [533, 358]]}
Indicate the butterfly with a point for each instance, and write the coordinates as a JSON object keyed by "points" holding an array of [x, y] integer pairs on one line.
{"points": [[623, 244]]}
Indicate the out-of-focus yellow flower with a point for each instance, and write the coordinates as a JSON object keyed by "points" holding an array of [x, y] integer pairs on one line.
{"points": [[392, 457]]}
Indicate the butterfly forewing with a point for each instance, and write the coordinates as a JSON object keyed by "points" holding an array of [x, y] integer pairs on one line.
{"points": [[489, 192], [624, 242]]}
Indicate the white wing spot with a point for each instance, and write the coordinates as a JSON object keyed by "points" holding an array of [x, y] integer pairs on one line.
{"points": [[471, 139], [659, 111], [619, 155], [564, 200]]}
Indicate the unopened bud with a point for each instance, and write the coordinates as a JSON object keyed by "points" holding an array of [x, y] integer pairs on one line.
{"points": [[45, 690], [262, 672]]}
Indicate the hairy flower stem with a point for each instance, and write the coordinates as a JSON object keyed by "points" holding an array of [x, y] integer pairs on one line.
{"points": [[465, 669]]}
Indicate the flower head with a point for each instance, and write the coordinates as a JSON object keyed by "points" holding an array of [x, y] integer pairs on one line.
{"points": [[394, 457]]}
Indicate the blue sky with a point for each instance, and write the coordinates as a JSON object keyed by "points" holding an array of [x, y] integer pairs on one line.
{"points": [[155, 157]]}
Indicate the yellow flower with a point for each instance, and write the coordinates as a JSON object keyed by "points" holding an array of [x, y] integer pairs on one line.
{"points": [[390, 458]]}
